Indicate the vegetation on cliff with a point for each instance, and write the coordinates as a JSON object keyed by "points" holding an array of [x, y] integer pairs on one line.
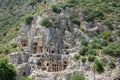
{"points": [[7, 71]]}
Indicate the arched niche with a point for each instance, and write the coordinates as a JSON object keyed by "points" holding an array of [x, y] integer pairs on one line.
{"points": [[24, 43], [53, 51], [35, 47], [46, 49], [66, 47], [37, 32], [24, 74], [51, 43], [39, 63], [40, 49], [47, 64], [65, 64]]}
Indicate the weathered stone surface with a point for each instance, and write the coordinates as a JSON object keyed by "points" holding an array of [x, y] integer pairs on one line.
{"points": [[18, 58], [24, 69], [49, 52]]}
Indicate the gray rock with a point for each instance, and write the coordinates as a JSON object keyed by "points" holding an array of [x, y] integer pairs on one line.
{"points": [[24, 69]]}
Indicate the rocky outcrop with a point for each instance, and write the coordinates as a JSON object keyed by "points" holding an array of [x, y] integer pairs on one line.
{"points": [[49, 52], [18, 58], [24, 69]]}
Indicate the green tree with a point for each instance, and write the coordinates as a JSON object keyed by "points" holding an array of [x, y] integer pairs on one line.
{"points": [[77, 77], [98, 66], [7, 71]]}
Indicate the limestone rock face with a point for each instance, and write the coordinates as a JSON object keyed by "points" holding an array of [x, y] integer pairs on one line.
{"points": [[24, 69], [48, 52], [48, 49], [64, 76], [18, 58]]}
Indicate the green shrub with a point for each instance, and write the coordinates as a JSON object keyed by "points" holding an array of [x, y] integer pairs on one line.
{"points": [[98, 66], [84, 42], [32, 3], [7, 71], [53, 18], [64, 5], [29, 20], [92, 52], [6, 51], [104, 43], [27, 79], [83, 51], [71, 17], [76, 57], [75, 2], [21, 49], [46, 22], [83, 60], [113, 49], [13, 45], [117, 52], [106, 35], [1, 50], [91, 58], [114, 45], [76, 21], [56, 9], [39, 1], [77, 77], [96, 46], [70, 3], [112, 64], [108, 51], [109, 24], [94, 14], [118, 33], [44, 1], [110, 39]]}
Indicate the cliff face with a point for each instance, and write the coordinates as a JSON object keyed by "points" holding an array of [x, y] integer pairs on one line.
{"points": [[62, 41]]}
